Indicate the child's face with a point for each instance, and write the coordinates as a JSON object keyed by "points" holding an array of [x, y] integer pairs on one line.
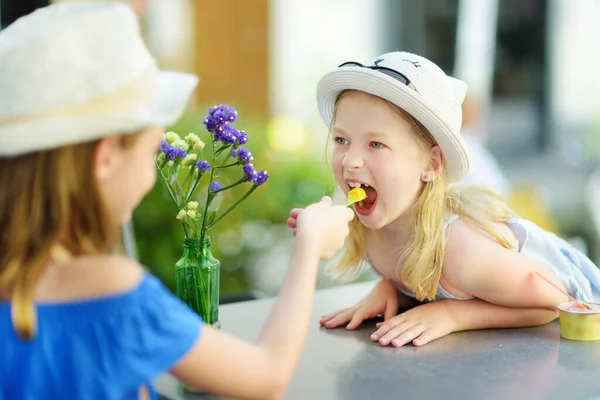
{"points": [[127, 173], [375, 146]]}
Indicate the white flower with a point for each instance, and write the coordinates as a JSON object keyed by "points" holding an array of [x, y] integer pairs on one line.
{"points": [[191, 214], [192, 205], [181, 144], [192, 138], [199, 145], [190, 159], [180, 215], [172, 136]]}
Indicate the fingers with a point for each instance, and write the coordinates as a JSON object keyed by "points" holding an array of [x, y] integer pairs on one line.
{"points": [[295, 212], [404, 332], [292, 222], [356, 320], [337, 319], [326, 200]]}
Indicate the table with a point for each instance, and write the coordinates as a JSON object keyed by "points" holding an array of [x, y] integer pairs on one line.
{"points": [[526, 363]]}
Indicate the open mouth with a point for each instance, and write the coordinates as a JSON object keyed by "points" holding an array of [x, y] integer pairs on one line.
{"points": [[366, 206]]}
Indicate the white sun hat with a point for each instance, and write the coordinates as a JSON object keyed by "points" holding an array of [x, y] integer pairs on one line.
{"points": [[414, 84], [75, 72]]}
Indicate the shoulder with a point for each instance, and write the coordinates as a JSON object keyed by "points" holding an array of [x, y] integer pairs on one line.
{"points": [[90, 277]]}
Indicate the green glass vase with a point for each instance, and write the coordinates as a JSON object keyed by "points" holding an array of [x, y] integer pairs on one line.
{"points": [[197, 278]]}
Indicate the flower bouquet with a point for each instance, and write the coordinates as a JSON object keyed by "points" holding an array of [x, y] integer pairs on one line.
{"points": [[185, 173]]}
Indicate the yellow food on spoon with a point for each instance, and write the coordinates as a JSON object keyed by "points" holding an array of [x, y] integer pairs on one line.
{"points": [[356, 195]]}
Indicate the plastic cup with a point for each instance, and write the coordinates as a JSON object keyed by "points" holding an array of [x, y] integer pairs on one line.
{"points": [[577, 323]]}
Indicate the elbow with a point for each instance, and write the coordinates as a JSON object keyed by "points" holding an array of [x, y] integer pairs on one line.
{"points": [[545, 316], [275, 386]]}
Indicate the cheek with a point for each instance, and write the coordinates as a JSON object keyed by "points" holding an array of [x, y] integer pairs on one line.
{"points": [[336, 164]]}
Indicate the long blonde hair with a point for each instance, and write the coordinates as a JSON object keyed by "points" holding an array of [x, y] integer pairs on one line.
{"points": [[422, 259], [49, 198]]}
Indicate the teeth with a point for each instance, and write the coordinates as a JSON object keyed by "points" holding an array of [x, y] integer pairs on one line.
{"points": [[356, 184]]}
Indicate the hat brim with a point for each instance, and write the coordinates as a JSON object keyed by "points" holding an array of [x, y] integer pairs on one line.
{"points": [[163, 108], [381, 85]]}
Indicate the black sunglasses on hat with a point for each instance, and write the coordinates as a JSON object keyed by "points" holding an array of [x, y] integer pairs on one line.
{"points": [[400, 77]]}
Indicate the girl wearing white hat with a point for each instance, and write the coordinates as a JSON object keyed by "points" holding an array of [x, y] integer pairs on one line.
{"points": [[82, 111], [458, 250]]}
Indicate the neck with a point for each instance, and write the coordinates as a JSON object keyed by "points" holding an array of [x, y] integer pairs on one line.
{"points": [[396, 233]]}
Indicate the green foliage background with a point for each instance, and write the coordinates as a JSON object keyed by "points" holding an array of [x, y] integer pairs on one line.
{"points": [[295, 181]]}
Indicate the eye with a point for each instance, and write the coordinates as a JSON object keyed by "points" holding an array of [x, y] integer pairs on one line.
{"points": [[377, 145], [340, 140]]}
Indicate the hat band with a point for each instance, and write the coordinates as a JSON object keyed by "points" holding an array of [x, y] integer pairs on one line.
{"points": [[399, 76], [124, 100]]}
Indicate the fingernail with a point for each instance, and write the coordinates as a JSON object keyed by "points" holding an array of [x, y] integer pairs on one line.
{"points": [[374, 337]]}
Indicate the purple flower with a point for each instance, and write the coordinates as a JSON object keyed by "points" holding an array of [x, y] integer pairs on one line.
{"points": [[249, 173], [261, 177], [203, 164], [242, 137], [227, 135], [233, 153], [210, 124], [164, 145], [244, 155], [172, 152], [223, 113], [215, 186]]}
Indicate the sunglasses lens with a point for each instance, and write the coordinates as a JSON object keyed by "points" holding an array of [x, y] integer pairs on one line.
{"points": [[396, 75], [350, 64]]}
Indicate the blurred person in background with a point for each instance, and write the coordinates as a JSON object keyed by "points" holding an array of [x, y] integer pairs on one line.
{"points": [[485, 169]]}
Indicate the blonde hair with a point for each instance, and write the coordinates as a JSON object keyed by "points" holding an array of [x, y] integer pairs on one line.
{"points": [[423, 258], [50, 198]]}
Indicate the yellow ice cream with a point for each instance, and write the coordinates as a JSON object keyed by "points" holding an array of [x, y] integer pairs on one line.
{"points": [[356, 194]]}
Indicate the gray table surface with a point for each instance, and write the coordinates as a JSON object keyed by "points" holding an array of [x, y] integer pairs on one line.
{"points": [[529, 363]]}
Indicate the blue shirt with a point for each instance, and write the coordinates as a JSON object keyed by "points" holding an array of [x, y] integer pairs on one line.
{"points": [[101, 348]]}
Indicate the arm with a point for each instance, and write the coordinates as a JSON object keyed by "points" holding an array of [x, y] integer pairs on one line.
{"points": [[479, 314], [509, 292], [228, 366]]}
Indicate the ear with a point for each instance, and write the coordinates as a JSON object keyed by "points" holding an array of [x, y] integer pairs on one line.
{"points": [[107, 156], [435, 165]]}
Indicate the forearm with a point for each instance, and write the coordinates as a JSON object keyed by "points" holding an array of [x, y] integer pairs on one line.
{"points": [[479, 314], [285, 330]]}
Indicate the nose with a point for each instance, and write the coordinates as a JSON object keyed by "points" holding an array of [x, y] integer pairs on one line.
{"points": [[353, 159]]}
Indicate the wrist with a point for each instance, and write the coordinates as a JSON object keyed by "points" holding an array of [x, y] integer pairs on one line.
{"points": [[453, 314], [306, 246]]}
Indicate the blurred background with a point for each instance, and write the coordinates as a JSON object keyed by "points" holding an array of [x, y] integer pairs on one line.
{"points": [[531, 116]]}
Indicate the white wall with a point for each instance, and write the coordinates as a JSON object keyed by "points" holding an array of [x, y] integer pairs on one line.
{"points": [[310, 37]]}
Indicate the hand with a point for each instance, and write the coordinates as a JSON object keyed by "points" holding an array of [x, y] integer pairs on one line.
{"points": [[419, 325], [324, 226], [383, 299], [292, 221]]}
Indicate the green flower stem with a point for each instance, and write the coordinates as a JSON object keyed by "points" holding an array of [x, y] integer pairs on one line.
{"points": [[228, 165], [220, 217], [228, 187], [170, 190], [210, 196], [194, 186]]}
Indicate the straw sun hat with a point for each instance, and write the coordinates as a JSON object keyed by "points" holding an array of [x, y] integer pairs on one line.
{"points": [[414, 84], [77, 71]]}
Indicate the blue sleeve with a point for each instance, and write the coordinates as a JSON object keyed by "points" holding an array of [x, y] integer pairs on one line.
{"points": [[151, 334]]}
